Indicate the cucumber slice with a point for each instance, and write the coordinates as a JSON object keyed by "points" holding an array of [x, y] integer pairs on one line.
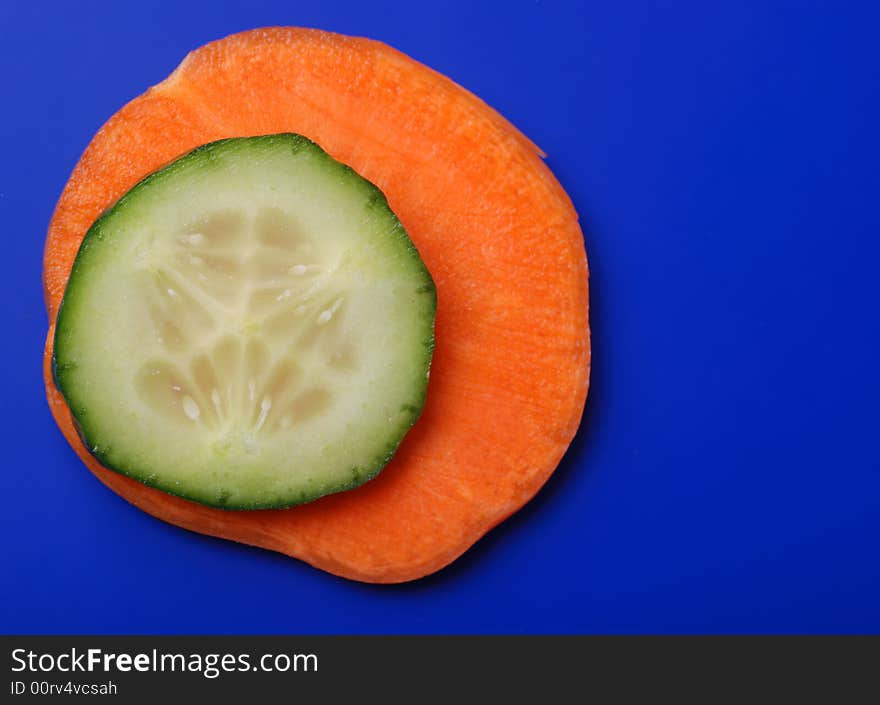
{"points": [[249, 327]]}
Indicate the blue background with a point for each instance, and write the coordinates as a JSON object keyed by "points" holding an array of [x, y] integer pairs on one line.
{"points": [[726, 477]]}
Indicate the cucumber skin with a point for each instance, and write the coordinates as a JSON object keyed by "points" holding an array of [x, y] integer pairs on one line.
{"points": [[95, 234]]}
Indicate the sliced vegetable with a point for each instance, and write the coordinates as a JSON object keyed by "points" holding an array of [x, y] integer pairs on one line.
{"points": [[248, 327], [499, 235]]}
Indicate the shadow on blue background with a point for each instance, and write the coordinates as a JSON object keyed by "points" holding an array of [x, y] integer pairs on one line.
{"points": [[726, 478]]}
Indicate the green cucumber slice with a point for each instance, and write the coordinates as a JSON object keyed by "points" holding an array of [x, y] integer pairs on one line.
{"points": [[249, 327]]}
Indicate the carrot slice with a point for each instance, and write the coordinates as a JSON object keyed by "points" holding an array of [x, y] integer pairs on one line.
{"points": [[500, 236]]}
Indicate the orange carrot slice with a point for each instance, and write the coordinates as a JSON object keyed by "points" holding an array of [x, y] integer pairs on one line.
{"points": [[500, 236]]}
